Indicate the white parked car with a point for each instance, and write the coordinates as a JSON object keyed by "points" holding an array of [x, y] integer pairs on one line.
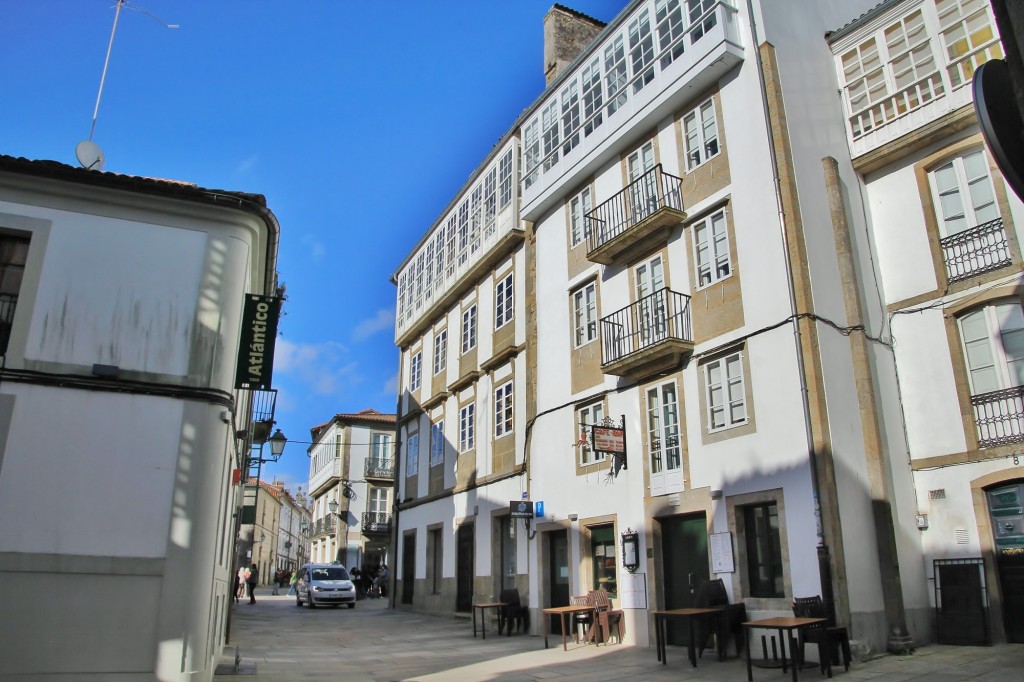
{"points": [[325, 584]]}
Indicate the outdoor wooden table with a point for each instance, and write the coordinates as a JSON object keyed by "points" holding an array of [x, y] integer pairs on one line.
{"points": [[689, 614], [496, 605], [789, 625], [561, 612]]}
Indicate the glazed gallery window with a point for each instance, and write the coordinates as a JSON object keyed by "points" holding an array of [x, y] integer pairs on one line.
{"points": [[726, 397], [701, 133], [504, 303], [588, 415], [602, 553], [711, 249], [412, 455], [962, 192], [584, 314], [440, 351], [415, 371], [13, 254], [437, 443], [641, 51], [764, 550], [671, 39], [993, 339], [503, 410], [467, 428], [579, 207], [469, 328], [663, 428]]}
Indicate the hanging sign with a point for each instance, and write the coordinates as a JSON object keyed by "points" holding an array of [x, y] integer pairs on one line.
{"points": [[521, 509], [256, 345]]}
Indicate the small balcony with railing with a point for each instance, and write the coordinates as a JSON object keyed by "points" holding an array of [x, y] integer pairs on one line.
{"points": [[379, 469], [376, 523], [633, 220], [324, 526], [999, 416], [975, 251], [648, 336]]}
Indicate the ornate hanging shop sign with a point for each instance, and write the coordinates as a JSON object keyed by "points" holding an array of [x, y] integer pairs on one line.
{"points": [[609, 439], [256, 347]]}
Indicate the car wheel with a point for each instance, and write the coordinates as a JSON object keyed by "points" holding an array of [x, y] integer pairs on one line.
{"points": [[352, 605], [309, 601]]}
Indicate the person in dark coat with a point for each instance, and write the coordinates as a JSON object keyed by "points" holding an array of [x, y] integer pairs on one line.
{"points": [[252, 581]]}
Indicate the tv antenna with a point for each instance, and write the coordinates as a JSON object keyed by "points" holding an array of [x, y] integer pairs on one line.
{"points": [[88, 152]]}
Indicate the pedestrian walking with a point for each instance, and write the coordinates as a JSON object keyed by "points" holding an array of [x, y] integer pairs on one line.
{"points": [[293, 584], [357, 580], [384, 580], [251, 581], [277, 584], [236, 586]]}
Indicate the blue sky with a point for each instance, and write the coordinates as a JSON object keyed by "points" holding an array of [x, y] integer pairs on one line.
{"points": [[358, 120]]}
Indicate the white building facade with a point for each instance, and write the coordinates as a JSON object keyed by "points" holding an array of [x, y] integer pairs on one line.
{"points": [[351, 489], [714, 230], [123, 301]]}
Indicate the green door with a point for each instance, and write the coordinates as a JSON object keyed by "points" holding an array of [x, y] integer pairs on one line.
{"points": [[684, 551]]}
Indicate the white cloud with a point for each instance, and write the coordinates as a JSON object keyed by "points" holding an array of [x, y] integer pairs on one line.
{"points": [[324, 368], [247, 165], [317, 250], [382, 320]]}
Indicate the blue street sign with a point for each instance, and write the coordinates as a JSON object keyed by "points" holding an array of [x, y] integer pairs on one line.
{"points": [[538, 509]]}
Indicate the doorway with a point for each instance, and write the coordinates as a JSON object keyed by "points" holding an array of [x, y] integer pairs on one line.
{"points": [[408, 566], [684, 550], [464, 569], [558, 574], [1006, 512]]}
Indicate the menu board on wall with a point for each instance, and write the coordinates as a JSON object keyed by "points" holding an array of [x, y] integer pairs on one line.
{"points": [[633, 590], [721, 553]]}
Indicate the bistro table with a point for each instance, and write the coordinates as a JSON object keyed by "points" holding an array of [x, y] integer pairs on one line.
{"points": [[562, 612], [789, 626], [689, 615], [496, 605]]}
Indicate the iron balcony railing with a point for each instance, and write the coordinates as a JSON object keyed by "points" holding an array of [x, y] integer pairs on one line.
{"points": [[324, 526], [657, 317], [642, 198], [975, 251], [376, 522], [999, 416], [379, 468]]}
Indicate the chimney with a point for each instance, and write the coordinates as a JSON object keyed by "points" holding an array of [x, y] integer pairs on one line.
{"points": [[566, 33]]}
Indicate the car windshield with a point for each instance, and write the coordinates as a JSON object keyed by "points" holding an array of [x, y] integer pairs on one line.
{"points": [[330, 573]]}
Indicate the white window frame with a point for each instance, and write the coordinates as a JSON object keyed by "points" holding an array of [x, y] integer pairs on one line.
{"points": [[412, 455], [593, 97], [505, 180], [589, 415], [700, 134], [504, 410], [579, 206], [988, 352], [584, 314], [469, 329], [549, 120], [615, 74], [440, 351], [664, 425], [416, 371], [570, 98], [378, 500], [437, 443], [727, 395], [641, 50], [380, 447], [504, 301], [668, 16], [711, 257], [467, 427], [967, 190]]}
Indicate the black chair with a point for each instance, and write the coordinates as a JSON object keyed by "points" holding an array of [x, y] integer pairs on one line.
{"points": [[814, 607], [711, 593], [584, 618], [513, 612]]}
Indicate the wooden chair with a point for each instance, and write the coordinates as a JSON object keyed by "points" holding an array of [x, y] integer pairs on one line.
{"points": [[711, 593], [814, 607], [606, 615], [513, 612], [585, 619]]}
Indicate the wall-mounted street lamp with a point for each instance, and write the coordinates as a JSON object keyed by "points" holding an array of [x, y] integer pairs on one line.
{"points": [[277, 443], [630, 550]]}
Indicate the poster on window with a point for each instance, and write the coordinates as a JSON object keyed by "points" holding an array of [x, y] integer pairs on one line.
{"points": [[721, 553]]}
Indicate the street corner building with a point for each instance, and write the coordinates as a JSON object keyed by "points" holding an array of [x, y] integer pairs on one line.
{"points": [[121, 430], [736, 298]]}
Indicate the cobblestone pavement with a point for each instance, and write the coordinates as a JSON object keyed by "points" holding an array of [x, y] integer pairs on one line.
{"points": [[280, 642]]}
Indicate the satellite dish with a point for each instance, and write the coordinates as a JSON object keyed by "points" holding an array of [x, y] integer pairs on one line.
{"points": [[1000, 120], [90, 155]]}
